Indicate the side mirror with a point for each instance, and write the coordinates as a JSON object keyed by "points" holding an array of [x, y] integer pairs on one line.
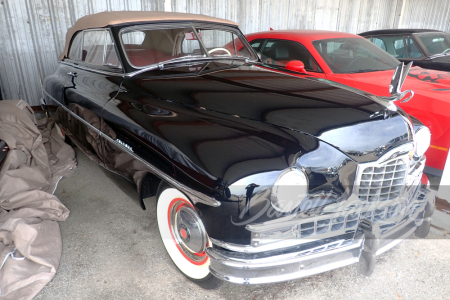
{"points": [[296, 66]]}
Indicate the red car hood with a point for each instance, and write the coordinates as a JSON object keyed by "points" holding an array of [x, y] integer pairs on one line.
{"points": [[431, 93]]}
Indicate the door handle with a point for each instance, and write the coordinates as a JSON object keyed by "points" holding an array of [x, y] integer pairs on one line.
{"points": [[72, 74]]}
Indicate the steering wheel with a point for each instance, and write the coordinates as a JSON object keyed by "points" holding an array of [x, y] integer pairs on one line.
{"points": [[353, 62], [219, 49], [446, 50]]}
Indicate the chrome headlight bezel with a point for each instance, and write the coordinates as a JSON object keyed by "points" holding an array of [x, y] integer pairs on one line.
{"points": [[422, 140], [289, 190]]}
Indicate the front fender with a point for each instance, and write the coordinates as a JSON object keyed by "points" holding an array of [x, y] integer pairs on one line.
{"points": [[330, 175]]}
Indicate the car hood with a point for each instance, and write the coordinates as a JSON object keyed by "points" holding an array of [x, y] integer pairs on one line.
{"points": [[418, 79], [427, 77], [330, 113]]}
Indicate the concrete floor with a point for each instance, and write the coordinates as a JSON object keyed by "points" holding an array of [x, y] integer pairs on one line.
{"points": [[112, 250]]}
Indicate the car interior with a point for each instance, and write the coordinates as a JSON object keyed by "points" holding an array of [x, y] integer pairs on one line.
{"points": [[436, 43], [398, 46], [154, 46], [279, 53]]}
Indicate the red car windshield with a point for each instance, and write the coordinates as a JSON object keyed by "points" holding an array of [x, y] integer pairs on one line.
{"points": [[354, 55]]}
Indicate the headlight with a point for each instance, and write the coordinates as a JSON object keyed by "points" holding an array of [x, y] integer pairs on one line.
{"points": [[289, 190], [422, 139]]}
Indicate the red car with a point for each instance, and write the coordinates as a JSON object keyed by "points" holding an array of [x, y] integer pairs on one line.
{"points": [[354, 61]]}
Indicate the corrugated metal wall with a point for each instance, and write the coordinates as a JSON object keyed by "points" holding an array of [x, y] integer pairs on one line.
{"points": [[433, 14], [33, 31]]}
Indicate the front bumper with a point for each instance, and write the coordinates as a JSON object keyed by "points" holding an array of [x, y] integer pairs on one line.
{"points": [[321, 255]]}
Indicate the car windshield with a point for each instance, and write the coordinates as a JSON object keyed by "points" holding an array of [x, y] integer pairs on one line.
{"points": [[436, 43], [148, 46], [354, 55]]}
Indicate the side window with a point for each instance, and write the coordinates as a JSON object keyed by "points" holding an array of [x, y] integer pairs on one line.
{"points": [[392, 44], [412, 49], [93, 46], [97, 48], [256, 44], [279, 53], [133, 38], [399, 47], [241, 50], [190, 44], [75, 47], [380, 43]]}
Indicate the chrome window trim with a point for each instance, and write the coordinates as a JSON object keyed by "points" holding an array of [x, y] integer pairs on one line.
{"points": [[195, 196], [99, 71], [104, 50], [200, 41], [119, 62]]}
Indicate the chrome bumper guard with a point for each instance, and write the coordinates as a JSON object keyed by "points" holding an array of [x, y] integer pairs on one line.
{"points": [[283, 265]]}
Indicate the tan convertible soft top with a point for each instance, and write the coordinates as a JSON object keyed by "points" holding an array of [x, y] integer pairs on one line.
{"points": [[104, 19]]}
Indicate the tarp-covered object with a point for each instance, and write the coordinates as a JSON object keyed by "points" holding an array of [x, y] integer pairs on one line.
{"points": [[30, 239]]}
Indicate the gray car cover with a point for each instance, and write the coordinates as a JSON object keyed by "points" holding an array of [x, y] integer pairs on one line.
{"points": [[30, 239]]}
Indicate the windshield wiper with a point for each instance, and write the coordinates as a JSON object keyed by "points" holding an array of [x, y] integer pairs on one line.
{"points": [[184, 59], [363, 71], [160, 65]]}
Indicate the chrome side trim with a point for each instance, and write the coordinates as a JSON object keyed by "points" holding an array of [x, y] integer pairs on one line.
{"points": [[195, 196], [73, 65]]}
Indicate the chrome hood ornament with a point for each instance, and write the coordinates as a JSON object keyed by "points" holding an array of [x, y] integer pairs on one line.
{"points": [[395, 89], [397, 81]]}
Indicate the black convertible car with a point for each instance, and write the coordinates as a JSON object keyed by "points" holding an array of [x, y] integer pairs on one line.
{"points": [[429, 49], [259, 176]]}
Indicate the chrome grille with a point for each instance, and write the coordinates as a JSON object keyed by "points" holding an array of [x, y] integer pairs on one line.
{"points": [[344, 223], [347, 222], [383, 182]]}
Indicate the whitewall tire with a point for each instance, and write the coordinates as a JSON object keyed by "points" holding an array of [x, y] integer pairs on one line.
{"points": [[184, 236]]}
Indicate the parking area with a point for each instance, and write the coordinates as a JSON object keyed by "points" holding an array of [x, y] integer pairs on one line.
{"points": [[112, 250]]}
